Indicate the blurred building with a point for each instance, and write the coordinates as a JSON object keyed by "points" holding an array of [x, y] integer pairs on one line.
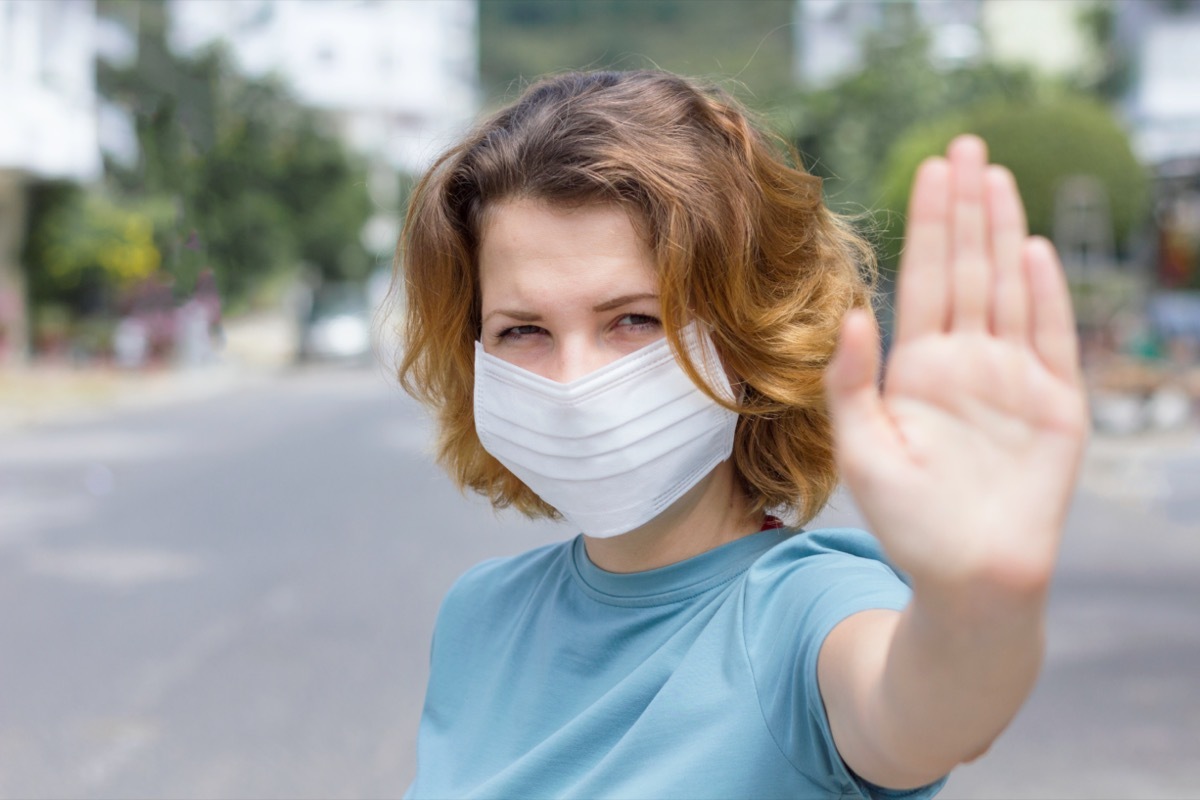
{"points": [[48, 129], [400, 77], [1046, 36], [830, 34], [1161, 42], [1050, 38]]}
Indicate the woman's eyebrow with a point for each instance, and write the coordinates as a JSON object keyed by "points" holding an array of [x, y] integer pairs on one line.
{"points": [[607, 305], [523, 316], [625, 299]]}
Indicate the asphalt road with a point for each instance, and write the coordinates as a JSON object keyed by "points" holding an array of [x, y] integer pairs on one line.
{"points": [[233, 598]]}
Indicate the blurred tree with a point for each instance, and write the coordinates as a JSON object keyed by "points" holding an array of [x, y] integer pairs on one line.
{"points": [[257, 182], [84, 243], [1042, 144], [1111, 76], [749, 41], [844, 131], [92, 232], [276, 189]]}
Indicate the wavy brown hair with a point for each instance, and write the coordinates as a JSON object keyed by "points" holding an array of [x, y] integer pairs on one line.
{"points": [[742, 241]]}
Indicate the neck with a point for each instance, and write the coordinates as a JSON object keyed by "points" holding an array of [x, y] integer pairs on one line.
{"points": [[712, 513]]}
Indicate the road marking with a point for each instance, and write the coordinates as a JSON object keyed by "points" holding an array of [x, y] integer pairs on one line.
{"points": [[112, 567], [83, 447]]}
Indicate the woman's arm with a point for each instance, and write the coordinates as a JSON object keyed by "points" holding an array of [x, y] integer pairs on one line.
{"points": [[964, 466]]}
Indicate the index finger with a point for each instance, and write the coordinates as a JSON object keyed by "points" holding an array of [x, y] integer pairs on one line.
{"points": [[923, 286]]}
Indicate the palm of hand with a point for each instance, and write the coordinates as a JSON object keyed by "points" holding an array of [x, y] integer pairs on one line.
{"points": [[965, 464]]}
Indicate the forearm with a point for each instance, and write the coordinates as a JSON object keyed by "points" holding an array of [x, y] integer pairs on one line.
{"points": [[958, 667]]}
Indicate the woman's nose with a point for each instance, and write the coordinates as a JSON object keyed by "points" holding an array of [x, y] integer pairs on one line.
{"points": [[574, 359]]}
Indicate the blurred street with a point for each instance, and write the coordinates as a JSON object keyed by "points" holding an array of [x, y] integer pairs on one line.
{"points": [[232, 596]]}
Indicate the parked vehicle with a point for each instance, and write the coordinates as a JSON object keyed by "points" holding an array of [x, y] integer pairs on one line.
{"points": [[338, 325]]}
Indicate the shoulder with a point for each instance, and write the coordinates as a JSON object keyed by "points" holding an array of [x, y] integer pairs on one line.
{"points": [[795, 594], [802, 587], [824, 556], [501, 582]]}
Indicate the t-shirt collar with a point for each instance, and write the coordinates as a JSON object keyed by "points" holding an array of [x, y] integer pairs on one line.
{"points": [[674, 582]]}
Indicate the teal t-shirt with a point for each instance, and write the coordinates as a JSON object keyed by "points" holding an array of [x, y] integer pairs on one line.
{"points": [[553, 678]]}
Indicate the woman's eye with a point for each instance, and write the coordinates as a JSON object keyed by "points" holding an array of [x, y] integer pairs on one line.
{"points": [[638, 322], [518, 332]]}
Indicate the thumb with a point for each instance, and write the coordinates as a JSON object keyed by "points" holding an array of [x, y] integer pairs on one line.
{"points": [[861, 426]]}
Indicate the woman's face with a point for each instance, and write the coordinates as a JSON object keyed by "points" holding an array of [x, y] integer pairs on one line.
{"points": [[565, 291]]}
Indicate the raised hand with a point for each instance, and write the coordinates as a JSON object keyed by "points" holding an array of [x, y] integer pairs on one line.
{"points": [[965, 463]]}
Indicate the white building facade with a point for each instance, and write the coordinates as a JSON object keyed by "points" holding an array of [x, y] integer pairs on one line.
{"points": [[401, 76], [1163, 41], [47, 80]]}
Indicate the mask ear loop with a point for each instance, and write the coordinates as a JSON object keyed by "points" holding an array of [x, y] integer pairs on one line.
{"points": [[697, 336]]}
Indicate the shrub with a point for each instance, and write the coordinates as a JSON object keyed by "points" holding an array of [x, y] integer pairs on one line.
{"points": [[1042, 144]]}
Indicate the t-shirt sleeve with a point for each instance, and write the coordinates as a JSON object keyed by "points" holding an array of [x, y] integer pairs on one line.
{"points": [[795, 595]]}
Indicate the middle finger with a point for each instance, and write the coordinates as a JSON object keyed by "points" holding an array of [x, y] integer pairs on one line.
{"points": [[970, 267]]}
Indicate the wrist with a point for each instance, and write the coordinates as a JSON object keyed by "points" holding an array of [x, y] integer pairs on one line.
{"points": [[978, 579], [974, 608]]}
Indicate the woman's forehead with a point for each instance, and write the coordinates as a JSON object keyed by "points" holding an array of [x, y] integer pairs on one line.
{"points": [[530, 249], [537, 222]]}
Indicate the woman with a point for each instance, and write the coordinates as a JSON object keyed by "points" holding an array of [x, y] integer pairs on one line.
{"points": [[623, 308]]}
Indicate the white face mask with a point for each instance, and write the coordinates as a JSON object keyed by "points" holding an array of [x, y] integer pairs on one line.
{"points": [[613, 449]]}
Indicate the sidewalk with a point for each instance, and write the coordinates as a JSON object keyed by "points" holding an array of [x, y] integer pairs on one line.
{"points": [[37, 395], [256, 348]]}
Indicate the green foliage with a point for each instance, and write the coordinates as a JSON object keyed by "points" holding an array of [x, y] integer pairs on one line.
{"points": [[747, 41], [233, 175], [845, 130], [87, 243], [275, 190], [1042, 143], [92, 232]]}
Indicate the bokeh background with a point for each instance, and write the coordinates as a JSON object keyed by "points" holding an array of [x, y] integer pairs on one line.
{"points": [[222, 538]]}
